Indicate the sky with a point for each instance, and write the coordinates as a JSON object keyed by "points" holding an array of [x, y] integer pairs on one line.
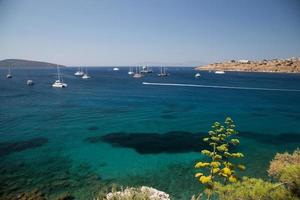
{"points": [[154, 32]]}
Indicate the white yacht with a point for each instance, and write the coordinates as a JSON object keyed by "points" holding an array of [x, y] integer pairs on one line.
{"points": [[219, 72], [86, 75], [163, 72], [30, 82], [116, 69], [59, 83], [130, 71], [79, 72], [198, 75], [9, 73], [137, 74], [146, 70]]}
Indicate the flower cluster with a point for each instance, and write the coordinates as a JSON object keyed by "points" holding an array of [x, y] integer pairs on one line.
{"points": [[221, 141]]}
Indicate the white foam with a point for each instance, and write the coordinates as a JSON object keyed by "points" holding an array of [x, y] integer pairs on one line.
{"points": [[220, 87]]}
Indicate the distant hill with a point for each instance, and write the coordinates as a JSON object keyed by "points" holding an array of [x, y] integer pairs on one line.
{"points": [[25, 63], [291, 65]]}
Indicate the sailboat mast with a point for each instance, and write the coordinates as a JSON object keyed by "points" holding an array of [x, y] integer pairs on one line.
{"points": [[58, 75]]}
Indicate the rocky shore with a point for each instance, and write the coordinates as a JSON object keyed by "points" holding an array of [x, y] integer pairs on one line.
{"points": [[147, 193], [291, 65]]}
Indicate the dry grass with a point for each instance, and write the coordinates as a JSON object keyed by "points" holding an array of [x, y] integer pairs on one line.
{"points": [[281, 161]]}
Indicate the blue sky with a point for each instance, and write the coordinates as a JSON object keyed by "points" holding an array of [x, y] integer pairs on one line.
{"points": [[129, 32]]}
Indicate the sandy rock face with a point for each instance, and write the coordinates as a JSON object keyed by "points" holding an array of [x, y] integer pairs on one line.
{"points": [[291, 65], [154, 193], [138, 193]]}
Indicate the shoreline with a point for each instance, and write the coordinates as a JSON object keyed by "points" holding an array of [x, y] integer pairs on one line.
{"points": [[290, 65], [243, 71]]}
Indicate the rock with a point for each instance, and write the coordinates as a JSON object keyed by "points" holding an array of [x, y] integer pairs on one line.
{"points": [[66, 197], [154, 193], [147, 193], [32, 195]]}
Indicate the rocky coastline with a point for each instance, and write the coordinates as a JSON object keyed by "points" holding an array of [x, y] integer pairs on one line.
{"points": [[290, 65]]}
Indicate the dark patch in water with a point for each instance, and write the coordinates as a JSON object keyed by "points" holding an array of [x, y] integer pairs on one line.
{"points": [[154, 143], [168, 116], [93, 128], [180, 141], [294, 116], [167, 111], [280, 139], [11, 147]]}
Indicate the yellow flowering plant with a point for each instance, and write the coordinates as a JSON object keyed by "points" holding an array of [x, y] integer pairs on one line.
{"points": [[221, 139]]}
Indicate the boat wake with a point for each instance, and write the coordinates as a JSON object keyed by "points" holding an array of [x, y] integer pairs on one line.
{"points": [[220, 87]]}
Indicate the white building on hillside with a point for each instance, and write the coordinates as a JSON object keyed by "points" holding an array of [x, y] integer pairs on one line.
{"points": [[244, 61]]}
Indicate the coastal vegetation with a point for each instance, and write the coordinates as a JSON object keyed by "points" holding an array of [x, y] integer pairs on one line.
{"points": [[218, 175], [291, 65], [284, 170]]}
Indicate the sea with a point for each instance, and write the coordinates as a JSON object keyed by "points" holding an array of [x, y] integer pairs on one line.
{"points": [[114, 131]]}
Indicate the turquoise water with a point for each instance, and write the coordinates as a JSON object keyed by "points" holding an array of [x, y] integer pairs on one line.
{"points": [[114, 129]]}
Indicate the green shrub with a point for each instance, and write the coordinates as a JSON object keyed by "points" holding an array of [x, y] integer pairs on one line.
{"points": [[253, 189], [286, 168], [290, 176], [280, 161]]}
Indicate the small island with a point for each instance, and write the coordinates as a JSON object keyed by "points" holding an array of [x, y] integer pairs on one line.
{"points": [[291, 65], [26, 63]]}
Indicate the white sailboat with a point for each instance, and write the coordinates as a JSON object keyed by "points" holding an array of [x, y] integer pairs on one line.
{"points": [[130, 71], [86, 75], [116, 69], [30, 82], [137, 73], [198, 75], [79, 72], [163, 72], [59, 83], [9, 73]]}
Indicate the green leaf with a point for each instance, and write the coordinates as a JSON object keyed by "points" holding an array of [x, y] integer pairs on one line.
{"points": [[216, 139], [206, 152], [235, 141], [241, 167], [222, 148]]}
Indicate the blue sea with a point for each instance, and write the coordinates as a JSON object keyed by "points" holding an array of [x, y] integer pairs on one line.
{"points": [[112, 129]]}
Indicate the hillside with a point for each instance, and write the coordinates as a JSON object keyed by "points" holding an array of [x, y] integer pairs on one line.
{"points": [[25, 63], [291, 65]]}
